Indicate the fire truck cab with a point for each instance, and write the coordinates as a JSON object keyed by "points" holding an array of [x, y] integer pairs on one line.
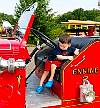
{"points": [[76, 83]]}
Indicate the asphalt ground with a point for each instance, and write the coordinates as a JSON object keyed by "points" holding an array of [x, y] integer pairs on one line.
{"points": [[34, 100]]}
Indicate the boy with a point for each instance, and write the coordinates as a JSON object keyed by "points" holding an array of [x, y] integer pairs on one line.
{"points": [[64, 51]]}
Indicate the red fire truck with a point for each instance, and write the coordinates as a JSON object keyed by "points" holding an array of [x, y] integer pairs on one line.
{"points": [[13, 55], [76, 82]]}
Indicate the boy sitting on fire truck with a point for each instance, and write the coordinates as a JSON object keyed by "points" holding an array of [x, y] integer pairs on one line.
{"points": [[64, 51]]}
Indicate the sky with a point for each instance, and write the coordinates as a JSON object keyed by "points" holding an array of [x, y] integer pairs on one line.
{"points": [[59, 6], [63, 6], [8, 6]]}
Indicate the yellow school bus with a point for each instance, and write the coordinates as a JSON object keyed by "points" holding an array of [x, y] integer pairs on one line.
{"points": [[73, 27], [1, 27]]}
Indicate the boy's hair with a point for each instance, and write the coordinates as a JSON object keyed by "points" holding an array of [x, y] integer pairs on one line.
{"points": [[65, 39]]}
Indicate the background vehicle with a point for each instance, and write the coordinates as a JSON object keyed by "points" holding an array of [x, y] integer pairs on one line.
{"points": [[74, 27]]}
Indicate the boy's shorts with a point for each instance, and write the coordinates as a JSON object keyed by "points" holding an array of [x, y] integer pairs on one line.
{"points": [[48, 64]]}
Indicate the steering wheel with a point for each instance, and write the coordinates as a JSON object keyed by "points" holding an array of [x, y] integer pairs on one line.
{"points": [[44, 38]]}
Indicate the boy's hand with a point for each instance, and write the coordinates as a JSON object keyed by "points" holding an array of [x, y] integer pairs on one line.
{"points": [[76, 52], [70, 57]]}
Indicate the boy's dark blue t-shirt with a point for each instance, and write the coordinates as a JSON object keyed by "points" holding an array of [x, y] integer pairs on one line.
{"points": [[58, 51]]}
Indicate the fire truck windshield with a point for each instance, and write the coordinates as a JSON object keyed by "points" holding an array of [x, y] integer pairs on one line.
{"points": [[24, 19]]}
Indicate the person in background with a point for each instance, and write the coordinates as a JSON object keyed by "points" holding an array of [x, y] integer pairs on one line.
{"points": [[82, 34], [91, 30]]}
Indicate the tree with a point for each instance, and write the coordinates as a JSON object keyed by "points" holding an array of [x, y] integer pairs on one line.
{"points": [[43, 16], [23, 4], [43, 20], [97, 18], [42, 13], [78, 14], [9, 18], [56, 31]]}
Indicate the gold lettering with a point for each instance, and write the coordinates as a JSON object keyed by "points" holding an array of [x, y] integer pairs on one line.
{"points": [[91, 70], [79, 71], [96, 70], [85, 71], [75, 71]]}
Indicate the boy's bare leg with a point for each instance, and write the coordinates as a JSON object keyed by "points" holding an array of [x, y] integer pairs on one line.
{"points": [[53, 68], [43, 77]]}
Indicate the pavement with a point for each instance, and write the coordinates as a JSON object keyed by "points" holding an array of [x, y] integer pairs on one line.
{"points": [[33, 99]]}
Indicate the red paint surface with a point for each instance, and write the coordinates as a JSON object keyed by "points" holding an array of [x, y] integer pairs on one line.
{"points": [[70, 93], [89, 58], [12, 94]]}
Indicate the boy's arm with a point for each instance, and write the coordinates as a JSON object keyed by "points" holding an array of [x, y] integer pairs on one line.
{"points": [[61, 57]]}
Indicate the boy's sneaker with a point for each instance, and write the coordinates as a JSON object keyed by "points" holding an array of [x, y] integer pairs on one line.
{"points": [[49, 84], [39, 89]]}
